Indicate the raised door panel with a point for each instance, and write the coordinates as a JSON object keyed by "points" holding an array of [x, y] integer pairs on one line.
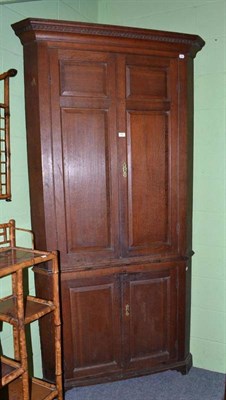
{"points": [[148, 179], [150, 315], [86, 173], [92, 329], [85, 155], [152, 153], [84, 77]]}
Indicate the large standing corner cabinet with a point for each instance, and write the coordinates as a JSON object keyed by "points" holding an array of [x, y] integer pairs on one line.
{"points": [[110, 131]]}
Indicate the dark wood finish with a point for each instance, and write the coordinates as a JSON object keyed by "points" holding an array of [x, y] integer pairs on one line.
{"points": [[109, 129], [92, 330], [150, 313], [121, 322], [151, 151]]}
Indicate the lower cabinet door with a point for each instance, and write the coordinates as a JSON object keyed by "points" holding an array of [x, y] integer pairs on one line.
{"points": [[150, 318], [122, 324], [91, 329]]}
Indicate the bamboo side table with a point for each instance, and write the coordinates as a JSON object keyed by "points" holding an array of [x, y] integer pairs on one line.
{"points": [[19, 310]]}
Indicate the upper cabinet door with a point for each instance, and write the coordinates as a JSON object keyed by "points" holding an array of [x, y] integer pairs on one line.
{"points": [[151, 203], [115, 132], [85, 154]]}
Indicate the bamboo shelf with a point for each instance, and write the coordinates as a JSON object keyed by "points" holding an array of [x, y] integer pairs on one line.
{"points": [[34, 309], [9, 370], [38, 390], [18, 310]]}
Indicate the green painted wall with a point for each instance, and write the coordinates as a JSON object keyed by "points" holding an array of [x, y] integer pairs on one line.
{"points": [[208, 19]]}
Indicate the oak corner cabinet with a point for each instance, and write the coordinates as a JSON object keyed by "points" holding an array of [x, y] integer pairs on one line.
{"points": [[109, 114]]}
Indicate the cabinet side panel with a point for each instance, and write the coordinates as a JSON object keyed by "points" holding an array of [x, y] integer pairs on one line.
{"points": [[39, 144], [34, 145], [186, 183]]}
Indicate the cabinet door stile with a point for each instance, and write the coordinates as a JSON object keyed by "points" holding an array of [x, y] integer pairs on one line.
{"points": [[122, 137], [125, 318], [57, 150]]}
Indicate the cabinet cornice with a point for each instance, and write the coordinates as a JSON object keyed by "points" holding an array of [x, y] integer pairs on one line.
{"points": [[39, 29]]}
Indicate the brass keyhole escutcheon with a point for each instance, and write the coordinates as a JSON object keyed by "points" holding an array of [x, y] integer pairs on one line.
{"points": [[124, 170], [127, 310]]}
